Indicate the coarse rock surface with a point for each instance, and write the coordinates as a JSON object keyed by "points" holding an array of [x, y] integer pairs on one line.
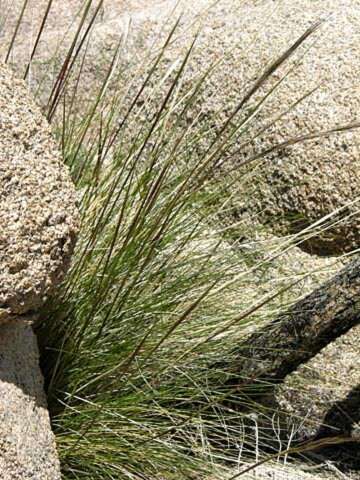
{"points": [[27, 445], [283, 470], [279, 471], [309, 393], [37, 203], [301, 184]]}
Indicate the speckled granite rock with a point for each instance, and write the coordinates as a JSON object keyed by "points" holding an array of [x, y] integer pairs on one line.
{"points": [[27, 445], [301, 184], [321, 385], [37, 235], [37, 203], [279, 471]]}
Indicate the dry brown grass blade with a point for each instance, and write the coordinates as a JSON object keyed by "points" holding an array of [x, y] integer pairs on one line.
{"points": [[39, 35], [18, 24]]}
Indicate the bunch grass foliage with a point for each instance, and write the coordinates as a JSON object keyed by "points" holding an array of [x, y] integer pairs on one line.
{"points": [[156, 295]]}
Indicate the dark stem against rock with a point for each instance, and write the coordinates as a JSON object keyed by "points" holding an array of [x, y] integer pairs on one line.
{"points": [[293, 338]]}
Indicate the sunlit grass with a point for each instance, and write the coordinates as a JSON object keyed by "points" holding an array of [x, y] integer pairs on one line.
{"points": [[156, 295]]}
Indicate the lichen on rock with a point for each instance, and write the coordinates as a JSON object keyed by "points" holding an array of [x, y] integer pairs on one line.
{"points": [[39, 217]]}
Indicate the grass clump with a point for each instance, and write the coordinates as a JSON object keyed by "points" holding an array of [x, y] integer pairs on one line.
{"points": [[129, 385], [142, 315], [155, 296]]}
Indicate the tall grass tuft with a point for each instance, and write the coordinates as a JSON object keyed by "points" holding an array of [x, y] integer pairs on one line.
{"points": [[155, 295]]}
